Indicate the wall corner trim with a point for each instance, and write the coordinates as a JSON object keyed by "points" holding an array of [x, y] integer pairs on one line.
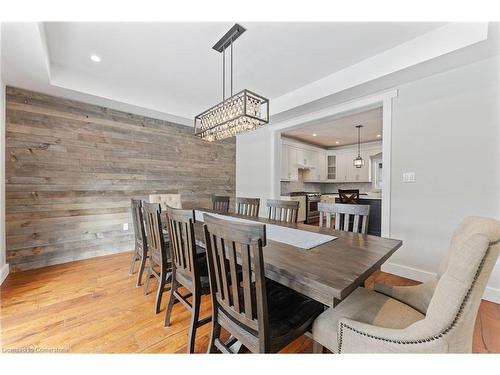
{"points": [[4, 272]]}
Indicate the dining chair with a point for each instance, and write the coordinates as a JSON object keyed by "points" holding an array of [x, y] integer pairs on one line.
{"points": [[189, 270], [437, 316], [170, 200], [220, 204], [262, 315], [347, 217], [159, 265], [350, 196], [140, 243], [284, 211], [248, 206]]}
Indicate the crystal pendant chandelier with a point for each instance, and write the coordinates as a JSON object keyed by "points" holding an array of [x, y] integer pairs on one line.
{"points": [[359, 161], [240, 112]]}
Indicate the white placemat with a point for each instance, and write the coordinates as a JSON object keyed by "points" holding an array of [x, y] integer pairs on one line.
{"points": [[295, 237]]}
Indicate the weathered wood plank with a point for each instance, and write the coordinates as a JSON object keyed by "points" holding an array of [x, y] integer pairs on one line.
{"points": [[72, 167]]}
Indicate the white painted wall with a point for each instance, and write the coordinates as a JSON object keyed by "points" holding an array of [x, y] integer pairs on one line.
{"points": [[253, 166], [445, 127], [4, 268], [446, 130]]}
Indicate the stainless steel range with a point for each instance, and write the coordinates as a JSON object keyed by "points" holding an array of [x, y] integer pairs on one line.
{"points": [[312, 200]]}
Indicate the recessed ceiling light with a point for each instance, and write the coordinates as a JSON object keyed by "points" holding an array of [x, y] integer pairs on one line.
{"points": [[314, 134], [337, 142], [379, 135], [95, 58]]}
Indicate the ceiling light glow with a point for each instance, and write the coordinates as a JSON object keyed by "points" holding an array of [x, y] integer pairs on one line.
{"points": [[95, 58]]}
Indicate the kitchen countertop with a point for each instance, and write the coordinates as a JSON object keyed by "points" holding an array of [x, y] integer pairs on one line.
{"points": [[361, 195]]}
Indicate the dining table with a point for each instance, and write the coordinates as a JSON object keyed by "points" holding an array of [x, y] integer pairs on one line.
{"points": [[328, 272]]}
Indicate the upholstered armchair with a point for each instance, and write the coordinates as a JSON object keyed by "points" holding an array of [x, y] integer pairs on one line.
{"points": [[437, 316]]}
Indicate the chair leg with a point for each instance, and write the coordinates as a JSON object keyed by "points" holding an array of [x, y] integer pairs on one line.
{"points": [[213, 336], [195, 314], [141, 271], [134, 259], [159, 292], [148, 277], [317, 347], [171, 302]]}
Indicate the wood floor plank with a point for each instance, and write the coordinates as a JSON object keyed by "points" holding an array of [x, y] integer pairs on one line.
{"points": [[93, 306]]}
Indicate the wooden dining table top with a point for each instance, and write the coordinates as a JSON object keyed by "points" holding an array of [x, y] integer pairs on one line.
{"points": [[326, 273]]}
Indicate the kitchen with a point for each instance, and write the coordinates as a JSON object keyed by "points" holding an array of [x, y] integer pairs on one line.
{"points": [[319, 159]]}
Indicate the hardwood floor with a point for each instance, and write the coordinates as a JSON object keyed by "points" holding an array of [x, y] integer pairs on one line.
{"points": [[93, 306]]}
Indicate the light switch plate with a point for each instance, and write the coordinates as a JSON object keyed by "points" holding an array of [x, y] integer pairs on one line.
{"points": [[125, 226], [409, 177]]}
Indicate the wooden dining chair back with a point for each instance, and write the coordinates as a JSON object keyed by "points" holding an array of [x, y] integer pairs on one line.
{"points": [[284, 211], [220, 204], [182, 245], [347, 217], [260, 314], [159, 264], [140, 244], [248, 206], [234, 254], [186, 270], [349, 196]]}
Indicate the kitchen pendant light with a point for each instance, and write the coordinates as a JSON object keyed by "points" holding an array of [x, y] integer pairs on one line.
{"points": [[359, 161], [240, 112]]}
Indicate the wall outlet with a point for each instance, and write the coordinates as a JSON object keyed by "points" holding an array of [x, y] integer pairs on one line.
{"points": [[409, 177], [125, 226]]}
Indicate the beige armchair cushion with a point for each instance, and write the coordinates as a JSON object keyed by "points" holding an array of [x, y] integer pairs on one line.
{"points": [[367, 306], [450, 313], [417, 296], [469, 226]]}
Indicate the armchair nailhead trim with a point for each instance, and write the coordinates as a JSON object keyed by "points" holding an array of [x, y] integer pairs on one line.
{"points": [[427, 339]]}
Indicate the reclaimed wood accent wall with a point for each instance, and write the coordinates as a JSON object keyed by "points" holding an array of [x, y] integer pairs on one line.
{"points": [[71, 169]]}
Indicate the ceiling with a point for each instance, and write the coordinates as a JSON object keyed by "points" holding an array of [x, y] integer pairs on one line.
{"points": [[341, 130], [171, 68]]}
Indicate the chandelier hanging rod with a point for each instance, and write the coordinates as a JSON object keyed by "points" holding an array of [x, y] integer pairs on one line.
{"points": [[221, 46]]}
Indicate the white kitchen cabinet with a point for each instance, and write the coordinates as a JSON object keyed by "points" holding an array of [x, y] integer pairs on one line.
{"points": [[344, 163], [292, 163], [340, 167], [316, 164], [289, 169], [322, 166], [284, 162], [306, 157], [295, 156], [331, 166]]}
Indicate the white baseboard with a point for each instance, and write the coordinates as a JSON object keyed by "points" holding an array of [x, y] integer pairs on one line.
{"points": [[408, 272], [490, 294], [4, 272]]}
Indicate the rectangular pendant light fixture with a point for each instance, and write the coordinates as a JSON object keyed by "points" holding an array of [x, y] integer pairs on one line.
{"points": [[240, 112]]}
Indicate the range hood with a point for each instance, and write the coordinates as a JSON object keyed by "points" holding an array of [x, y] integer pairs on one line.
{"points": [[306, 167]]}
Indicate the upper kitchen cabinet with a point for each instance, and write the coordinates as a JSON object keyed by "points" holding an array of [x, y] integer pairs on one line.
{"points": [[340, 167], [289, 168], [297, 156]]}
